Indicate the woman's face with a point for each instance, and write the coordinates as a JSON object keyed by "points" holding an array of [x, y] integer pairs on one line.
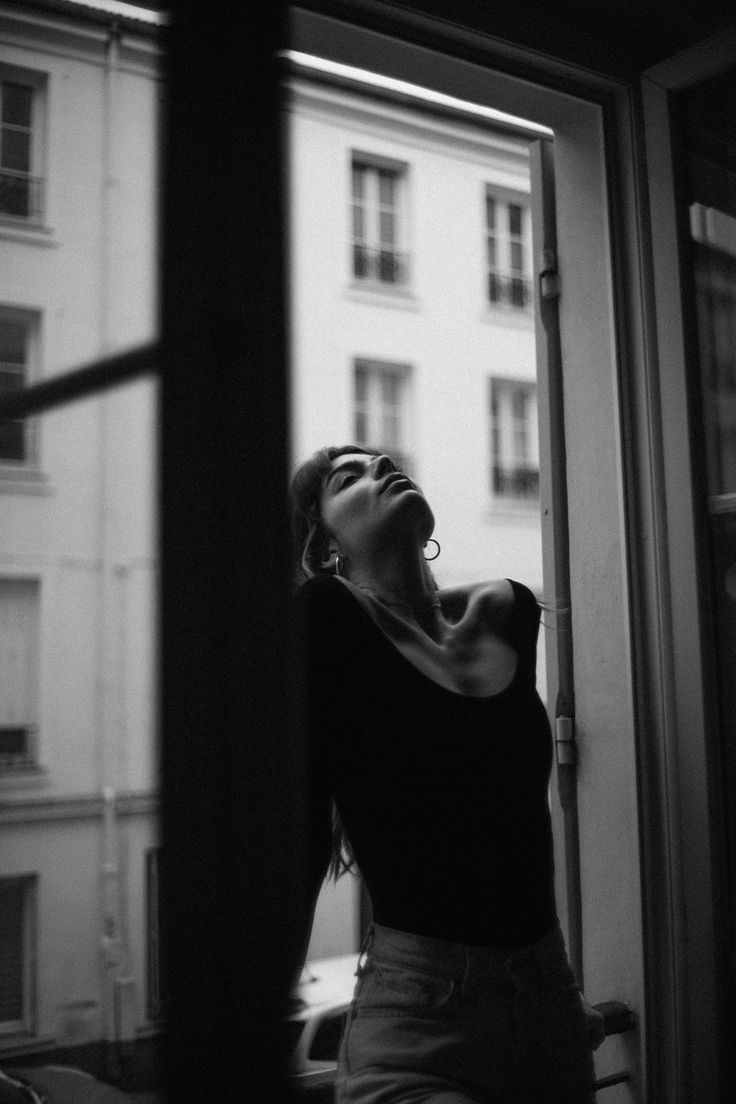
{"points": [[366, 501]]}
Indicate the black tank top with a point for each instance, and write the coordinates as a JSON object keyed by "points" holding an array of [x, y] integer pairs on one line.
{"points": [[444, 797]]}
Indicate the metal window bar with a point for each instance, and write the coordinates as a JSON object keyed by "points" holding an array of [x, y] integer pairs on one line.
{"points": [[82, 382]]}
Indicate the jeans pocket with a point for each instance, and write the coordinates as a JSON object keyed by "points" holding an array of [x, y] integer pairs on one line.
{"points": [[393, 990]]}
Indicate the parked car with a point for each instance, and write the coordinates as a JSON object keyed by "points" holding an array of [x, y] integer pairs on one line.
{"points": [[322, 999], [56, 1085]]}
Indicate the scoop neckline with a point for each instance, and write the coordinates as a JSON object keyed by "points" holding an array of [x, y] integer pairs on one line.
{"points": [[422, 674]]}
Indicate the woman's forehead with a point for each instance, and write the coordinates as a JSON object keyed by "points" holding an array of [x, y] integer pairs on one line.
{"points": [[351, 458]]}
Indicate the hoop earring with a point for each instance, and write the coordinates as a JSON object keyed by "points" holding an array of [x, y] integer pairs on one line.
{"points": [[430, 558], [339, 564]]}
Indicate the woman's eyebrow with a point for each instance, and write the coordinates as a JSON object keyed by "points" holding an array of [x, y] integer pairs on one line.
{"points": [[349, 465]]}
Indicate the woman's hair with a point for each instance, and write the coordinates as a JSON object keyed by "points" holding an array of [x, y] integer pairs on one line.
{"points": [[312, 546], [311, 539]]}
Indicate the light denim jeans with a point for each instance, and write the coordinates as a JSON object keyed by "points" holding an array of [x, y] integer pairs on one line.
{"points": [[435, 1022]]}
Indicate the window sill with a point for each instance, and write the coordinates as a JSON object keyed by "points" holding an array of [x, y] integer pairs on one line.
{"points": [[30, 777], [28, 232], [22, 480], [519, 318], [24, 1043], [388, 295]]}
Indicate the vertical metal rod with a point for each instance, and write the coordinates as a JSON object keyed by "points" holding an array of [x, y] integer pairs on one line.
{"points": [[555, 519]]}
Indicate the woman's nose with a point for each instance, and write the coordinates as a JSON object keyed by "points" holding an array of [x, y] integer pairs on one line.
{"points": [[382, 465]]}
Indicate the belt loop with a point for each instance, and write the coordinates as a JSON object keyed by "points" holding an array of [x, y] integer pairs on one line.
{"points": [[367, 943]]}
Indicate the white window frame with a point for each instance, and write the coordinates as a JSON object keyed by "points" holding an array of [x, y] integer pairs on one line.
{"points": [[36, 175], [369, 242], [25, 1024], [372, 410], [31, 320], [511, 283], [507, 456]]}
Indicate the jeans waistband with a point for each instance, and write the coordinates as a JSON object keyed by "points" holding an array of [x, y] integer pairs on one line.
{"points": [[544, 959]]}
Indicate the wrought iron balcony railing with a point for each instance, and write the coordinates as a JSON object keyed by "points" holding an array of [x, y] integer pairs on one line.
{"points": [[21, 195], [518, 482], [510, 289], [383, 266]]}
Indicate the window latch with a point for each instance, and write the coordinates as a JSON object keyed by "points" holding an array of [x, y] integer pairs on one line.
{"points": [[565, 740], [550, 283]]}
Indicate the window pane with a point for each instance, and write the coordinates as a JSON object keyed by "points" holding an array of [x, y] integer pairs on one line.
{"points": [[15, 150], [358, 222], [386, 188], [387, 228], [517, 257], [17, 100], [11, 951], [514, 219], [13, 336]]}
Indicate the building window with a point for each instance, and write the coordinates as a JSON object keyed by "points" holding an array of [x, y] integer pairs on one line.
{"points": [[514, 440], [155, 992], [381, 409], [19, 648], [17, 954], [17, 334], [508, 237], [21, 126], [378, 222]]}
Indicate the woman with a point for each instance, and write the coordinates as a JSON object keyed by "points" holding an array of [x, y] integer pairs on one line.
{"points": [[428, 735]]}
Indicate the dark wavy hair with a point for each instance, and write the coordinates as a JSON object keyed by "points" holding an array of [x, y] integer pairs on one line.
{"points": [[312, 546]]}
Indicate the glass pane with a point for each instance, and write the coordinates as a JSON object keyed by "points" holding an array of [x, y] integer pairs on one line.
{"points": [[15, 150], [517, 257], [358, 222], [427, 356], [12, 341], [707, 129], [386, 188], [78, 568], [515, 219], [387, 228], [17, 104]]}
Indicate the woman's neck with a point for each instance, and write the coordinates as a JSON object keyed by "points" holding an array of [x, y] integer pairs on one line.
{"points": [[400, 581]]}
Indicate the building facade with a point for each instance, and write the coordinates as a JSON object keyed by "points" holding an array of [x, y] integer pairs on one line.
{"points": [[78, 770]]}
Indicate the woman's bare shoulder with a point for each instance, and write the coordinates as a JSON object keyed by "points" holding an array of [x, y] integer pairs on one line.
{"points": [[494, 596]]}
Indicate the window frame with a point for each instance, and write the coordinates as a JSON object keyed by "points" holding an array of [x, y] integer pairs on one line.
{"points": [[30, 464], [498, 383], [229, 987], [376, 369], [25, 1026], [37, 81], [503, 269], [376, 163]]}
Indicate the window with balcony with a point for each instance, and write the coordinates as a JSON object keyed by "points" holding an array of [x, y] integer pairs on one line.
{"points": [[508, 241], [378, 223], [17, 333], [381, 409], [19, 647], [514, 441], [17, 929], [21, 128]]}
